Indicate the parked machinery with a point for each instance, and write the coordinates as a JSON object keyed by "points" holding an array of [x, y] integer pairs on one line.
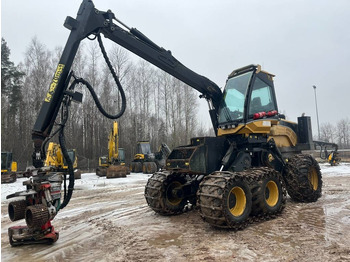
{"points": [[235, 177], [8, 168], [147, 162], [332, 157], [113, 165], [54, 158]]}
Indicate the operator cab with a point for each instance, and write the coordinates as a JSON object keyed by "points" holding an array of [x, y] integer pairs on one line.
{"points": [[248, 95], [121, 155], [143, 147]]}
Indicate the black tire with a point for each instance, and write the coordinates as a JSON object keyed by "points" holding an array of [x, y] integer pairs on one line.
{"points": [[144, 168], [137, 167], [151, 168], [147, 168], [303, 178], [132, 167], [268, 191], [218, 197], [159, 193], [154, 167]]}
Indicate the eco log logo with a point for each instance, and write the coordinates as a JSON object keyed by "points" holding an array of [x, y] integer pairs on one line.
{"points": [[54, 82]]}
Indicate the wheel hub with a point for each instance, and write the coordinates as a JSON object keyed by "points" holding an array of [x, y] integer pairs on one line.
{"points": [[236, 201]]}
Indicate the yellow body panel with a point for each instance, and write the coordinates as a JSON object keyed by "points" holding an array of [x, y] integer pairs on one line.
{"points": [[14, 166], [139, 156], [284, 136], [262, 126]]}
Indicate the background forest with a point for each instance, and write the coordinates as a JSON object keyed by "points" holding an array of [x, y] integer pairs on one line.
{"points": [[160, 108]]}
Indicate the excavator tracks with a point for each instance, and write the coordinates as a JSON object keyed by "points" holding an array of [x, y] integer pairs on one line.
{"points": [[236, 199]]}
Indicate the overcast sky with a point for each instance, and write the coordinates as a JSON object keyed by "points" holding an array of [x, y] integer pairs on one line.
{"points": [[302, 42]]}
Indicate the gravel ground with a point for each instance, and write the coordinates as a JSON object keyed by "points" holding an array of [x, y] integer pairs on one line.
{"points": [[109, 220]]}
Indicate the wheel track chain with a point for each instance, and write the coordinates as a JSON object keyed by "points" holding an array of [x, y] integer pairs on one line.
{"points": [[154, 193], [296, 177], [258, 201], [211, 192]]}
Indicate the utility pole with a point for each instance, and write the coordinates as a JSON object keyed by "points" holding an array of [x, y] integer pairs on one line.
{"points": [[318, 124]]}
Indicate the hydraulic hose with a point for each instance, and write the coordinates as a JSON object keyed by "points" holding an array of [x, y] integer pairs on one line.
{"points": [[68, 195]]}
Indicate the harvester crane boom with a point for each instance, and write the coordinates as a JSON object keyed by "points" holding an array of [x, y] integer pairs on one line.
{"points": [[90, 21]]}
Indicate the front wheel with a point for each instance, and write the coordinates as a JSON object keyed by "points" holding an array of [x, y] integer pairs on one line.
{"points": [[164, 193], [303, 178]]}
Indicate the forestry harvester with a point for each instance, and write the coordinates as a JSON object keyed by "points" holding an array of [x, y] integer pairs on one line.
{"points": [[147, 162], [240, 174]]}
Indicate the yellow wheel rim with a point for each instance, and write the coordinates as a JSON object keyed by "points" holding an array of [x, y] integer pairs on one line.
{"points": [[236, 201], [271, 193], [172, 198], [313, 178]]}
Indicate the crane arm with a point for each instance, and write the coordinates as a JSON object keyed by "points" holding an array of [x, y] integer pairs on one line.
{"points": [[138, 43], [90, 21]]}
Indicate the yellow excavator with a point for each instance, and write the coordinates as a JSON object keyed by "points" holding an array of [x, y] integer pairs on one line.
{"points": [[54, 158], [8, 168], [113, 165]]}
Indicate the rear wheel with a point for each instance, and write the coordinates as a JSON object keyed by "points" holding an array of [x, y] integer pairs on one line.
{"points": [[303, 178], [152, 168], [137, 167], [225, 200], [132, 167], [144, 167]]}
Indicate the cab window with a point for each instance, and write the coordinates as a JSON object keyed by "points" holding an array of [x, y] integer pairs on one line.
{"points": [[261, 98]]}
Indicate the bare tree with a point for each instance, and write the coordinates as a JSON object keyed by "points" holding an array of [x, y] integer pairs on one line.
{"points": [[343, 133], [328, 132]]}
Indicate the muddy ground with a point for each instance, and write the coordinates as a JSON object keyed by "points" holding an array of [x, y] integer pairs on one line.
{"points": [[114, 223]]}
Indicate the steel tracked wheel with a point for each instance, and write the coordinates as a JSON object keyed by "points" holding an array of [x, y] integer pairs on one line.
{"points": [[225, 200], [164, 193], [268, 192], [303, 178]]}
